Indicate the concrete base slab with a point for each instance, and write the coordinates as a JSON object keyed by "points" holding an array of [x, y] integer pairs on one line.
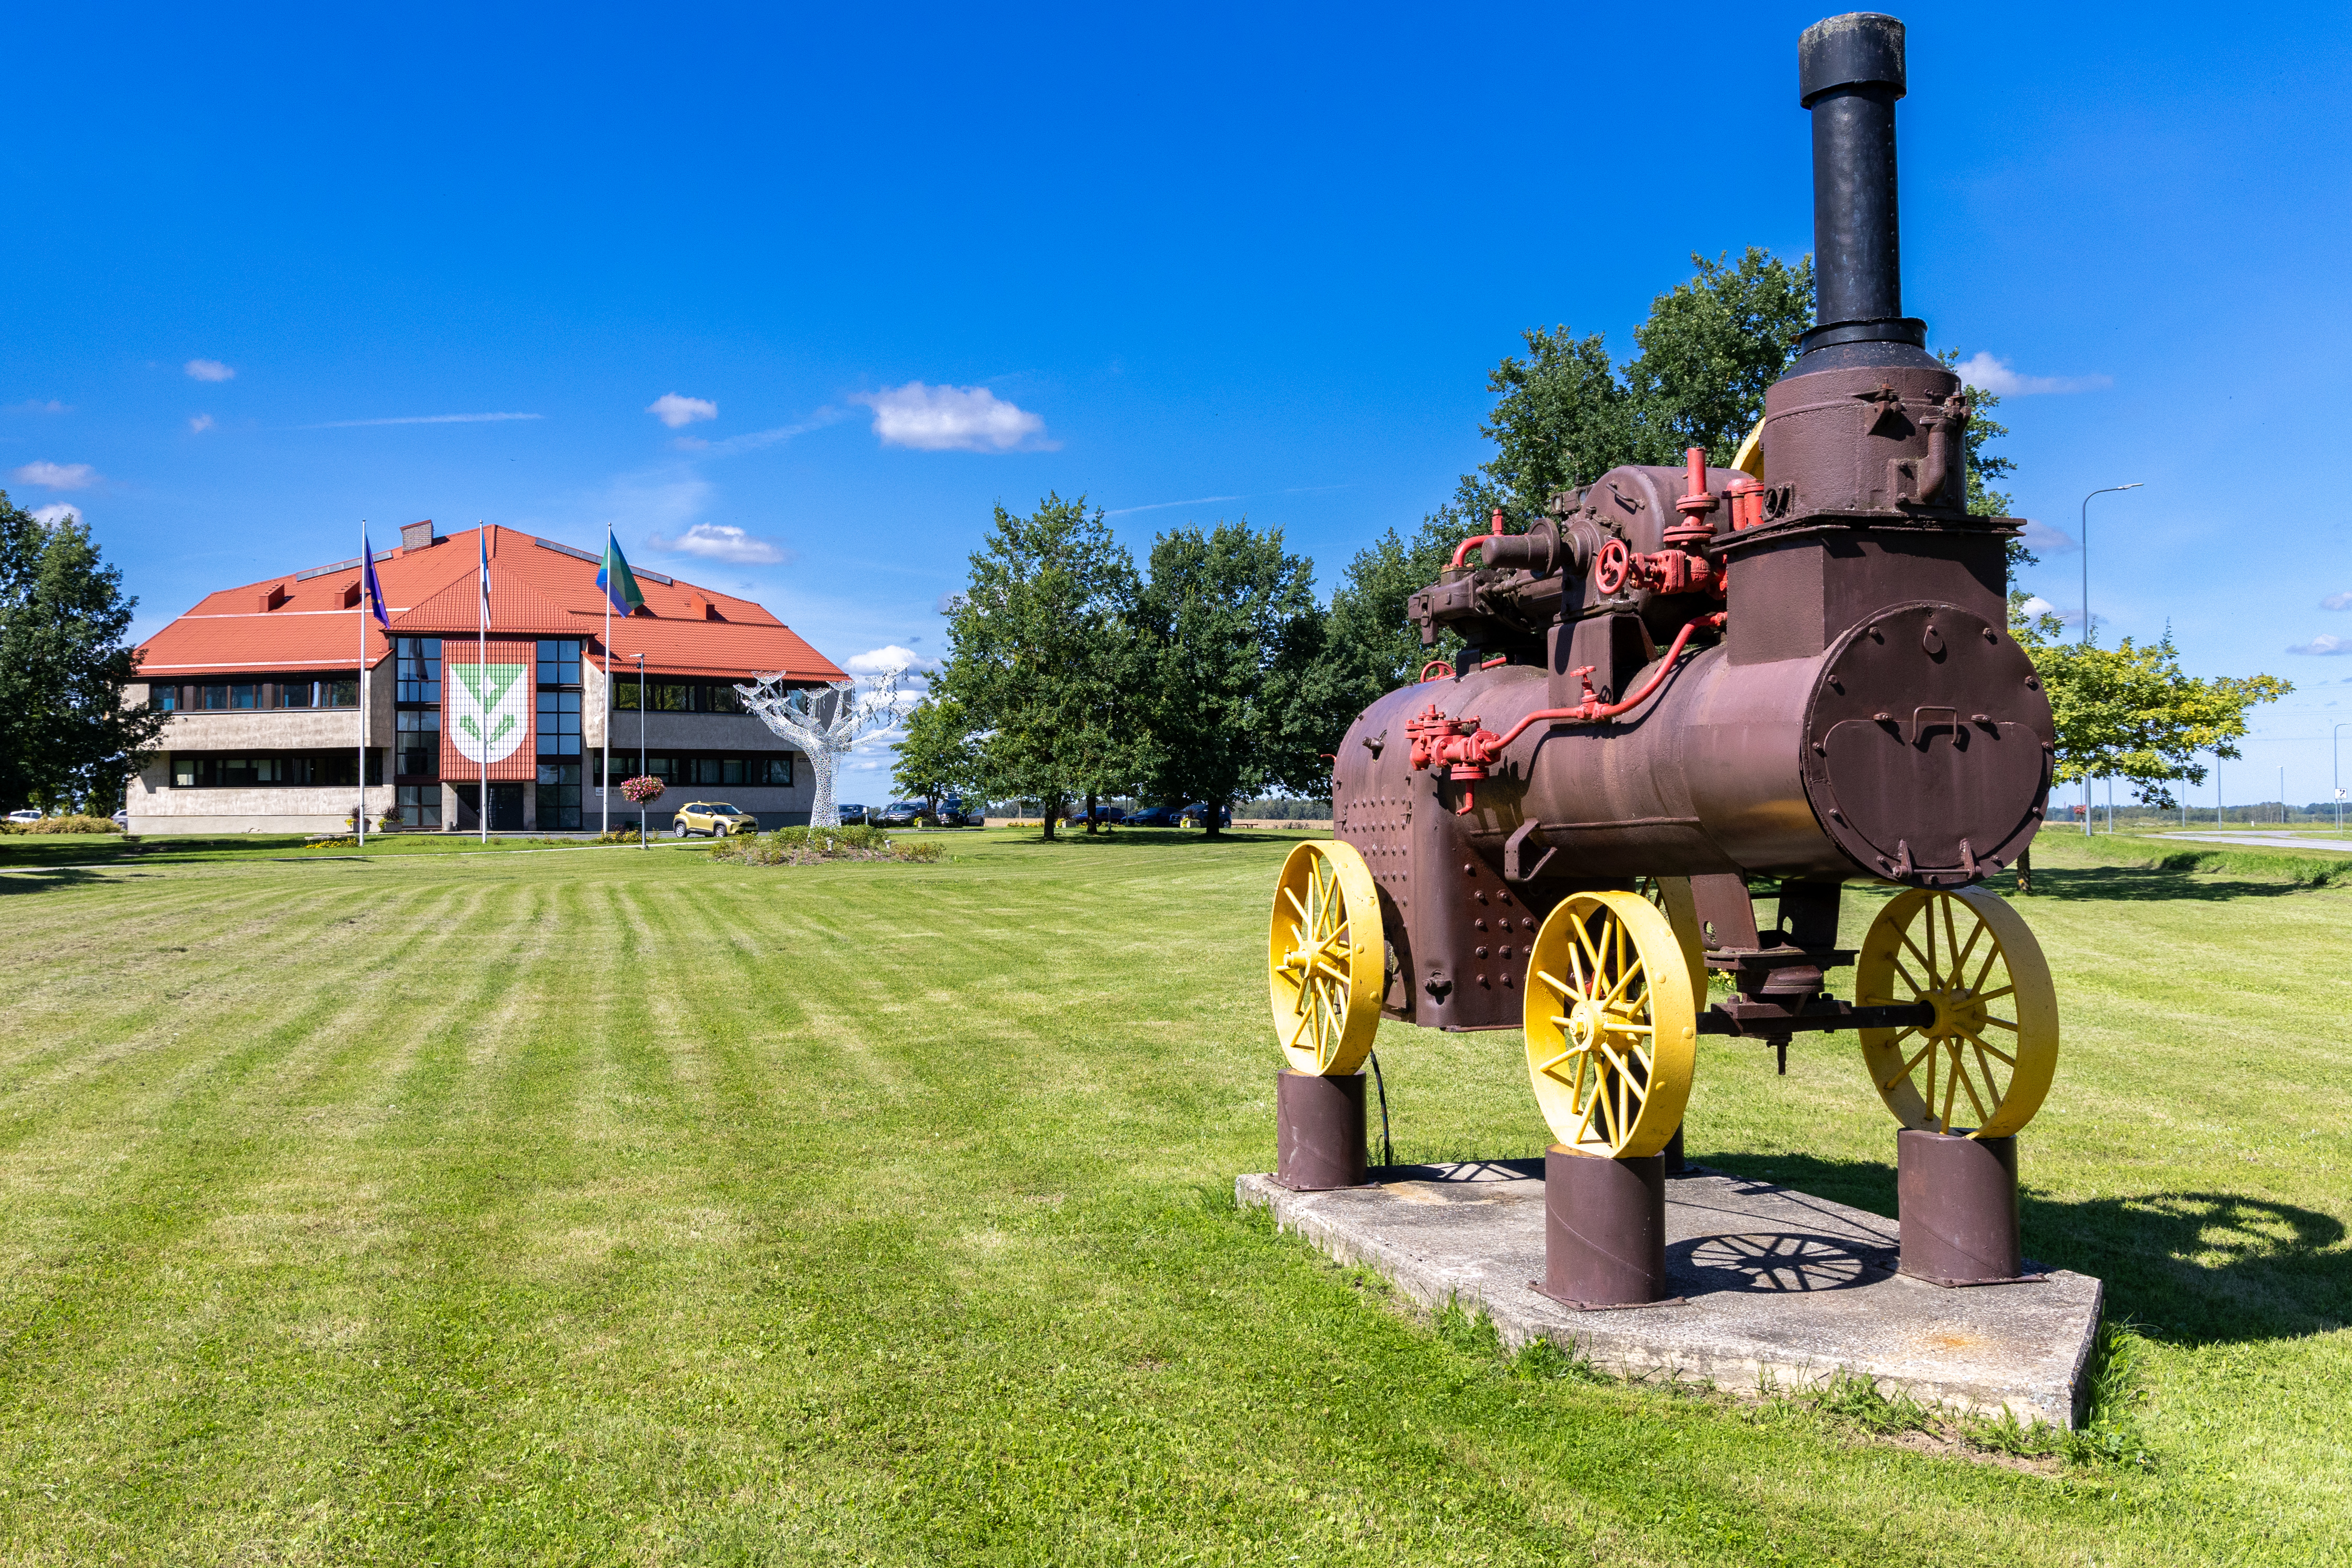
{"points": [[1777, 1289]]}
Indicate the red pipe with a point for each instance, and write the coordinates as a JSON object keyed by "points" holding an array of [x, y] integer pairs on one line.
{"points": [[1588, 713], [1462, 549]]}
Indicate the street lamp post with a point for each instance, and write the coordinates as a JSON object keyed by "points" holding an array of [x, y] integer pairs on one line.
{"points": [[2335, 774], [2103, 490]]}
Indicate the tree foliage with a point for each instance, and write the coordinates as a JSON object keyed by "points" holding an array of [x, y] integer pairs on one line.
{"points": [[1041, 659], [936, 756], [66, 737], [1228, 629], [2129, 712]]}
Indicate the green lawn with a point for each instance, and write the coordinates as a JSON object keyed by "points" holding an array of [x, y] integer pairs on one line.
{"points": [[614, 1206]]}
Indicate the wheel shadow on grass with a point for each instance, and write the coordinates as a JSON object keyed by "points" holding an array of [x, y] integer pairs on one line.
{"points": [[2189, 1268]]}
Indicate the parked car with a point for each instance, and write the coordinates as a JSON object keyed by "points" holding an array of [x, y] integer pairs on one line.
{"points": [[712, 819], [950, 812], [1195, 816], [21, 817], [122, 818], [1152, 817], [898, 813], [851, 816]]}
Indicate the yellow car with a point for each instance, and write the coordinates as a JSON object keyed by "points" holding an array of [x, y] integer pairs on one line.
{"points": [[712, 819]]}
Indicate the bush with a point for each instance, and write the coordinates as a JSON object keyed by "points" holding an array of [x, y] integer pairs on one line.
{"points": [[66, 825], [811, 846]]}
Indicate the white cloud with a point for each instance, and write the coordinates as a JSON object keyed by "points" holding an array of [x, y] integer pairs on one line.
{"points": [[2037, 606], [677, 412], [63, 511], [422, 419], [1995, 376], [953, 419], [720, 541], [57, 476], [204, 422], [888, 657], [2336, 602], [2044, 540], [209, 370], [2327, 642]]}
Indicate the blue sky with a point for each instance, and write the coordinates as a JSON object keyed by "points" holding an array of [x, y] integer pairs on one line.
{"points": [[1244, 262]]}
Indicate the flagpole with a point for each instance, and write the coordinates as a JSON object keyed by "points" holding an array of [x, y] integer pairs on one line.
{"points": [[482, 674], [604, 788], [360, 816]]}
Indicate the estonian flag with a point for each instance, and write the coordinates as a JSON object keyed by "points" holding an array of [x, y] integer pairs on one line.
{"points": [[369, 586], [620, 584]]}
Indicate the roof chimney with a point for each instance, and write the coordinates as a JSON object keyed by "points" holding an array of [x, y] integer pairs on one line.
{"points": [[272, 597], [699, 607], [417, 535]]}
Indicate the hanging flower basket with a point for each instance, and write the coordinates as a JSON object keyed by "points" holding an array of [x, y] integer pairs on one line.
{"points": [[645, 789]]}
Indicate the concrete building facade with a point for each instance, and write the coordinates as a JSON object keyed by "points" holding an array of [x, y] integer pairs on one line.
{"points": [[267, 685]]}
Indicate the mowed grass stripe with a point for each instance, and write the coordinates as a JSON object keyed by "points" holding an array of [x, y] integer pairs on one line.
{"points": [[968, 1286]]}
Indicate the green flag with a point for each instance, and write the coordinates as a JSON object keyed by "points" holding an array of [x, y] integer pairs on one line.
{"points": [[620, 584]]}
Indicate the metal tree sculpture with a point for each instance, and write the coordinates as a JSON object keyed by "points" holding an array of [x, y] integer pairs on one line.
{"points": [[825, 723]]}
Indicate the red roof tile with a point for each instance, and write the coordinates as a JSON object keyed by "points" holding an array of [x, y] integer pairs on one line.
{"points": [[537, 589]]}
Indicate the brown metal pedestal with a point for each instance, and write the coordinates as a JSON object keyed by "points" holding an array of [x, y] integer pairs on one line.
{"points": [[1318, 1131], [1605, 1230], [1958, 1200]]}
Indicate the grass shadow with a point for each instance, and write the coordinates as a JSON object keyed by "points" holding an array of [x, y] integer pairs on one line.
{"points": [[2189, 1268], [2154, 885], [43, 881]]}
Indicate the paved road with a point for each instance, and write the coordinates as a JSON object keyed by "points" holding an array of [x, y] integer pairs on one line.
{"points": [[2264, 841]]}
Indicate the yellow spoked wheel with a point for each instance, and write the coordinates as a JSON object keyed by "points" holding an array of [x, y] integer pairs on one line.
{"points": [[1324, 956], [1988, 1057], [1611, 1023]]}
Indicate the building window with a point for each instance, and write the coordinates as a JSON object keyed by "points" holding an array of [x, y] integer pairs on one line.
{"points": [[419, 805], [559, 661], [247, 696], [295, 694], [559, 723], [420, 744], [675, 696], [335, 767], [559, 794], [163, 699], [211, 697], [419, 671], [338, 693], [777, 770]]}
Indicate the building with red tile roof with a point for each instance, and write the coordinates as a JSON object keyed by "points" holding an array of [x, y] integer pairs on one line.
{"points": [[267, 684]]}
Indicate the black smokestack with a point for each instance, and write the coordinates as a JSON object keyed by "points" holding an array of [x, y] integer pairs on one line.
{"points": [[1849, 73]]}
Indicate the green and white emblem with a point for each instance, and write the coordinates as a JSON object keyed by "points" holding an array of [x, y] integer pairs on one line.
{"points": [[489, 712]]}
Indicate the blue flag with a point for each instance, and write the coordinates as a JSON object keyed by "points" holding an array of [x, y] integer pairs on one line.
{"points": [[613, 575], [370, 586]]}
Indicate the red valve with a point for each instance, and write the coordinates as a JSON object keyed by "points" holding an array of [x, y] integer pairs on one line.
{"points": [[1610, 564], [1458, 745]]}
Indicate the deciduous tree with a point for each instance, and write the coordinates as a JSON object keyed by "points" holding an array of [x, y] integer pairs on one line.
{"points": [[936, 757], [1041, 658], [66, 737], [1229, 631], [2129, 712]]}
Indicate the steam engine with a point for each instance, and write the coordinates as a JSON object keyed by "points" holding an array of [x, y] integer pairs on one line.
{"points": [[1796, 669]]}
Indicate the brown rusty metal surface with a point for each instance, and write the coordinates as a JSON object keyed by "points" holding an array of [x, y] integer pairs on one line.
{"points": [[1958, 1203], [1604, 1230], [1318, 1131]]}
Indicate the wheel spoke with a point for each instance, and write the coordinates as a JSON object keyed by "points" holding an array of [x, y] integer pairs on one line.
{"points": [[1547, 1065], [1977, 995], [1624, 978], [1555, 984], [2002, 1024], [1995, 1052], [1951, 937], [1960, 1071], [1992, 1084], [1917, 990], [1985, 968], [1950, 1085]]}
